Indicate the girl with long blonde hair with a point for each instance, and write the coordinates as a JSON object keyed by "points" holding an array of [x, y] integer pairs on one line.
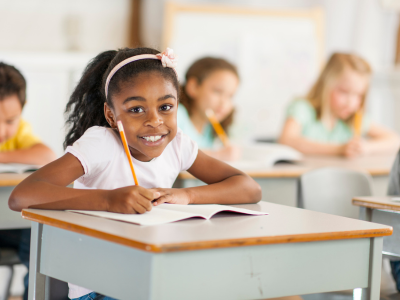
{"points": [[324, 122]]}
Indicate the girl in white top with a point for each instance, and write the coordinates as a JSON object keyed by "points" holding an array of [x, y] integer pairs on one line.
{"points": [[138, 87]]}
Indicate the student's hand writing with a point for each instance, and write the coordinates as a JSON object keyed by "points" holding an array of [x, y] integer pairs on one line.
{"points": [[229, 153], [175, 196], [356, 147], [131, 200]]}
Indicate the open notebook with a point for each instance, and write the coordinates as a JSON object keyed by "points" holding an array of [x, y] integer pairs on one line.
{"points": [[166, 213], [261, 155]]}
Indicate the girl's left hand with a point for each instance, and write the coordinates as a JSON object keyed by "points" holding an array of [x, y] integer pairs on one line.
{"points": [[174, 196]]}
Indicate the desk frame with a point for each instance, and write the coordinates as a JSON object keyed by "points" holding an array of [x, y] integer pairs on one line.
{"points": [[250, 272]]}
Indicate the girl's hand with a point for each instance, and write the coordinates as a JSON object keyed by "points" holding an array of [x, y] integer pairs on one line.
{"points": [[131, 200], [175, 196], [229, 153], [356, 147]]}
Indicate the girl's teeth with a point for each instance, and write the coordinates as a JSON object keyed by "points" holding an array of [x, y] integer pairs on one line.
{"points": [[152, 138]]}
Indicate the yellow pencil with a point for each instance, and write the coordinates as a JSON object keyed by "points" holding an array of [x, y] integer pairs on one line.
{"points": [[128, 154], [358, 123], [217, 127]]}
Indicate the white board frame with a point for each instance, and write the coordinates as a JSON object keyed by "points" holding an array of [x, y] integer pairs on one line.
{"points": [[316, 15]]}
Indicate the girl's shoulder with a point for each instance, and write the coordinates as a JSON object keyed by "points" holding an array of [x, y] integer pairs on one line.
{"points": [[301, 110], [183, 148], [98, 134]]}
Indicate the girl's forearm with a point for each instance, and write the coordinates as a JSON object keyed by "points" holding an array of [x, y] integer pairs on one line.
{"points": [[383, 145], [308, 147], [43, 195], [233, 190]]}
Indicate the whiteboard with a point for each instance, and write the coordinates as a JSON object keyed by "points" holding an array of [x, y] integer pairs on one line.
{"points": [[278, 55]]}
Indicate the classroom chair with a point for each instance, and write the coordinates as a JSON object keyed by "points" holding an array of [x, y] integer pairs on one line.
{"points": [[8, 258], [330, 190]]}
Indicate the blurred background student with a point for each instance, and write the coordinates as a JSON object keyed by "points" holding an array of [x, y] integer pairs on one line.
{"points": [[323, 122], [210, 83], [18, 144]]}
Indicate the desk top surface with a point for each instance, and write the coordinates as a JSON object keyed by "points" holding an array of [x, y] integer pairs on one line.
{"points": [[375, 165], [378, 202], [284, 224]]}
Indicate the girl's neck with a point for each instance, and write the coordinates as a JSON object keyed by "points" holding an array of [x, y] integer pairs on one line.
{"points": [[199, 119]]}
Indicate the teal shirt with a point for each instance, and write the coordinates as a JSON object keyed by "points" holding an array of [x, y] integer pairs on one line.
{"points": [[304, 113], [205, 139]]}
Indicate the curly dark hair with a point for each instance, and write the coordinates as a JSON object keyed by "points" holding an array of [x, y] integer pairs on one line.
{"points": [[12, 83], [85, 107]]}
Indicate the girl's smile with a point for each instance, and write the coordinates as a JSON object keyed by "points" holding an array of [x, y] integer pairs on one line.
{"points": [[147, 107], [153, 140]]}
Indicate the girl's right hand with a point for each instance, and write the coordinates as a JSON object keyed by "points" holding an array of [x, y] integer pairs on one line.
{"points": [[229, 153], [353, 148], [131, 200]]}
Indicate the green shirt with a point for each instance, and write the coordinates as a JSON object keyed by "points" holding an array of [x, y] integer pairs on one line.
{"points": [[304, 113], [205, 139]]}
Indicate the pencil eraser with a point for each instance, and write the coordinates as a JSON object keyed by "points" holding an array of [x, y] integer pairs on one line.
{"points": [[120, 127]]}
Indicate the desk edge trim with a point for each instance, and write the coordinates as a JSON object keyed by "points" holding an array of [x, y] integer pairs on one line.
{"points": [[201, 245]]}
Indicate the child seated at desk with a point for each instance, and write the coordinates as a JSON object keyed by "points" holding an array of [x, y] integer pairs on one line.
{"points": [[17, 145], [17, 142], [138, 87], [322, 123], [210, 83]]}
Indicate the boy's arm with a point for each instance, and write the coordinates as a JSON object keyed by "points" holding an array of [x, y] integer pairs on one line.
{"points": [[226, 185], [38, 154]]}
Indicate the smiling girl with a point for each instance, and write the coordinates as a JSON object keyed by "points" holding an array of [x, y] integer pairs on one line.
{"points": [[323, 122], [138, 87]]}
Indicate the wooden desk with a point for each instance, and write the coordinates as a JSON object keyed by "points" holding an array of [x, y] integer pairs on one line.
{"points": [[10, 219], [289, 252], [383, 210], [279, 183]]}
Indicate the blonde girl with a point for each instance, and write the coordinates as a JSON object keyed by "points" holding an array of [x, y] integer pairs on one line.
{"points": [[323, 122]]}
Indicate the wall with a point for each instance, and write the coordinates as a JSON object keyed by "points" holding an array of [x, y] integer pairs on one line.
{"points": [[51, 42]]}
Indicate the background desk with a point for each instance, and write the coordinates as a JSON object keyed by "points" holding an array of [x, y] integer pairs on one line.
{"points": [[384, 211], [291, 251], [279, 183], [10, 219]]}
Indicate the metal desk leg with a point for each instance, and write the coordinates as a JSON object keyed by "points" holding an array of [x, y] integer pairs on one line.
{"points": [[37, 281], [375, 265], [365, 214]]}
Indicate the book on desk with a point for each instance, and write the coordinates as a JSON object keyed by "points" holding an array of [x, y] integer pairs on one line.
{"points": [[18, 168], [265, 155], [167, 213]]}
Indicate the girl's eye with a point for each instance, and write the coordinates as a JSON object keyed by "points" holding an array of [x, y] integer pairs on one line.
{"points": [[165, 107], [137, 110]]}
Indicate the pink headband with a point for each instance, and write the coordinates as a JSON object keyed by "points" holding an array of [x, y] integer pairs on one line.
{"points": [[167, 58]]}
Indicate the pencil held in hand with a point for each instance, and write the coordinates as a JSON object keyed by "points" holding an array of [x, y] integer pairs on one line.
{"points": [[128, 154], [357, 123], [217, 127]]}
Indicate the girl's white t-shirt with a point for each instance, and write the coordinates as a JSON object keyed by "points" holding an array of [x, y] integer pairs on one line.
{"points": [[102, 155]]}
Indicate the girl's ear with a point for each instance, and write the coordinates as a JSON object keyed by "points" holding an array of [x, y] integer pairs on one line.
{"points": [[108, 113], [191, 87]]}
